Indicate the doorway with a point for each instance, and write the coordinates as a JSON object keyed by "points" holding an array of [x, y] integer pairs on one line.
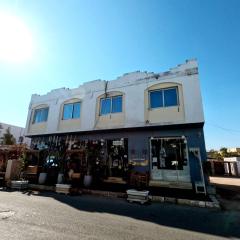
{"points": [[117, 157]]}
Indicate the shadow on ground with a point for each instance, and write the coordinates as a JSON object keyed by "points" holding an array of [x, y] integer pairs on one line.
{"points": [[229, 197], [214, 222]]}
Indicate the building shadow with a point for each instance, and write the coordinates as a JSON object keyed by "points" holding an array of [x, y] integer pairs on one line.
{"points": [[202, 220]]}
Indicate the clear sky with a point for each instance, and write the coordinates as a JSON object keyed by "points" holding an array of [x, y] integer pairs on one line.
{"points": [[76, 41]]}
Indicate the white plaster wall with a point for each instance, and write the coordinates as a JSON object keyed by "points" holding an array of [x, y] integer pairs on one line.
{"points": [[15, 131], [135, 105], [133, 86], [232, 159]]}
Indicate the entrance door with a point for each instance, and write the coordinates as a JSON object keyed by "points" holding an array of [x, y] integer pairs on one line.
{"points": [[169, 159], [117, 157]]}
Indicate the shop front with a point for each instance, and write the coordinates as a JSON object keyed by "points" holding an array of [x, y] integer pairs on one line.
{"points": [[169, 161], [74, 157], [117, 160], [137, 158]]}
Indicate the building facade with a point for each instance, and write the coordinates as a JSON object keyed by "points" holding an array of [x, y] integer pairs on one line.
{"points": [[17, 132], [145, 122]]}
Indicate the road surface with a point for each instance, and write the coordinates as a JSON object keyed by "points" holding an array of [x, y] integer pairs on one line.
{"points": [[51, 216]]}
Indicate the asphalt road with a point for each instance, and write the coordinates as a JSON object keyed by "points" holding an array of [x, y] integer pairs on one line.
{"points": [[53, 216]]}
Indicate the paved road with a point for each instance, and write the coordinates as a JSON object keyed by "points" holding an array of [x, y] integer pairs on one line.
{"points": [[53, 216]]}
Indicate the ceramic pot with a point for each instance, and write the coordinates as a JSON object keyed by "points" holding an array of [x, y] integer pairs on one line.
{"points": [[87, 181], [60, 178], [42, 178]]}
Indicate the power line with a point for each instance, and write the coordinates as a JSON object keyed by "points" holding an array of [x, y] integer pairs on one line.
{"points": [[223, 128]]}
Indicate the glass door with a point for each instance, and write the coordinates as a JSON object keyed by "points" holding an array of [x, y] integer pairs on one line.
{"points": [[169, 159]]}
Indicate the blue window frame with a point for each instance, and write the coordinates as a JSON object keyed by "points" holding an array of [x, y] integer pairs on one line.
{"points": [[170, 97], [105, 106], [40, 115], [71, 110], [156, 99], [110, 105], [116, 104], [76, 110], [163, 98]]}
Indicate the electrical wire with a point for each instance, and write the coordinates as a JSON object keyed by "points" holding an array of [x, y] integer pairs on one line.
{"points": [[223, 128]]}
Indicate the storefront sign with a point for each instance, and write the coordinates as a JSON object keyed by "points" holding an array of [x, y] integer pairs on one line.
{"points": [[139, 162], [117, 143], [154, 159]]}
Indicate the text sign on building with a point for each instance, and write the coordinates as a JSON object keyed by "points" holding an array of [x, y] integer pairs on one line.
{"points": [[117, 143]]}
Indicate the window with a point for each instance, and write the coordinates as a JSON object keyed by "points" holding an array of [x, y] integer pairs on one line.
{"points": [[169, 153], [170, 97], [156, 99], [71, 111], [117, 104], [105, 106], [110, 105], [163, 98], [40, 115]]}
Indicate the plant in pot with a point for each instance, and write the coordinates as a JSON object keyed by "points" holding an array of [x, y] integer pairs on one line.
{"points": [[43, 154], [90, 157], [17, 179], [49, 169], [23, 162], [61, 163], [87, 181], [43, 175]]}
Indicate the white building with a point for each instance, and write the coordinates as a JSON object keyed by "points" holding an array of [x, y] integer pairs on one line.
{"points": [[17, 132], [232, 166], [233, 150], [156, 117]]}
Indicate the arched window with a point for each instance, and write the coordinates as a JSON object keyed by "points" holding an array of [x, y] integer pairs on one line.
{"points": [[111, 104], [40, 115], [164, 97], [71, 110], [164, 102]]}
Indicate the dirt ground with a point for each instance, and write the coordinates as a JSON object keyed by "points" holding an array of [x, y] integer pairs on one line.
{"points": [[229, 181], [229, 197], [228, 192]]}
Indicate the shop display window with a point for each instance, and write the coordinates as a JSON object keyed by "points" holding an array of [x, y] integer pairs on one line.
{"points": [[169, 153]]}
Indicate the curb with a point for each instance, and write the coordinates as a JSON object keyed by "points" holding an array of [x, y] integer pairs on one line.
{"points": [[41, 187], [214, 204], [104, 193], [194, 203]]}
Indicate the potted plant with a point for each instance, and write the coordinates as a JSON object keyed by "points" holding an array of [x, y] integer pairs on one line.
{"points": [[43, 154], [49, 163], [18, 181], [87, 181], [61, 164], [62, 185], [60, 177], [43, 175], [90, 156]]}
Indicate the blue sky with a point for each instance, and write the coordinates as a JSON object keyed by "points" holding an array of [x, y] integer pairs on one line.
{"points": [[78, 41]]}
